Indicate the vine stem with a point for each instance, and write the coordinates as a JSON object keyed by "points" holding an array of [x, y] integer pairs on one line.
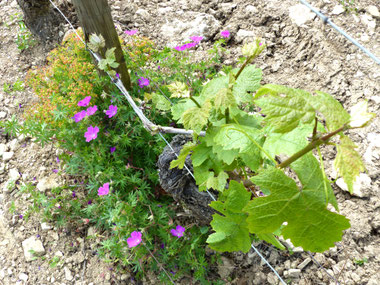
{"points": [[324, 174], [195, 101], [249, 59], [313, 144]]}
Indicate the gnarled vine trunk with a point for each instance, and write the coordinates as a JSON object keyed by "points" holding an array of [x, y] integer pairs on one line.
{"points": [[41, 19], [181, 185]]}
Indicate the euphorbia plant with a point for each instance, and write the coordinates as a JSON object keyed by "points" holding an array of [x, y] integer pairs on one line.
{"points": [[247, 127]]}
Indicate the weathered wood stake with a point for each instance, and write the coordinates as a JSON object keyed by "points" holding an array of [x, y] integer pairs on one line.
{"points": [[95, 18]]}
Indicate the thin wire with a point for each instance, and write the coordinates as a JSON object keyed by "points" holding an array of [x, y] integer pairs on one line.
{"points": [[167, 274], [351, 39], [321, 266]]}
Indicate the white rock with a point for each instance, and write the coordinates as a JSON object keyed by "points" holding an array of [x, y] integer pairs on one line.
{"points": [[143, 14], [14, 174], [68, 274], [46, 226], [373, 11], [294, 273], [337, 10], [23, 277], [362, 181], [199, 24], [243, 34], [47, 183], [251, 9], [13, 145], [59, 253], [3, 114], [303, 264], [300, 14], [3, 148], [8, 155], [32, 244]]}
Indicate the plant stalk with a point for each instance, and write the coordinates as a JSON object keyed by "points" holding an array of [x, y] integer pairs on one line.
{"points": [[313, 144]]}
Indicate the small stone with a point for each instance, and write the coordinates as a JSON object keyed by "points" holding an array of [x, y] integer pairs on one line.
{"points": [[272, 279], [362, 181], [373, 11], [3, 114], [337, 10], [143, 13], [8, 155], [91, 231], [47, 183], [300, 14], [58, 253], [3, 148], [225, 269], [294, 273], [68, 274], [46, 226], [23, 277], [14, 174], [14, 145], [52, 279], [304, 263], [34, 245]]}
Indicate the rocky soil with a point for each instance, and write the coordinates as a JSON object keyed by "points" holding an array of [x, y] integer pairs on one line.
{"points": [[302, 52]]}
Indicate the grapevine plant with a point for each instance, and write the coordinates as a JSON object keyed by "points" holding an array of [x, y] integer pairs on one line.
{"points": [[248, 127]]}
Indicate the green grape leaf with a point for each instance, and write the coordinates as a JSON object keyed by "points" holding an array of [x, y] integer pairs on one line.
{"points": [[96, 42], [110, 54], [359, 116], [348, 162], [181, 159], [102, 64], [333, 112], [224, 99], [196, 118], [217, 182], [179, 108], [201, 153], [287, 143], [179, 90], [247, 83], [285, 108], [212, 87], [231, 232], [270, 238], [160, 102], [113, 64], [309, 224]]}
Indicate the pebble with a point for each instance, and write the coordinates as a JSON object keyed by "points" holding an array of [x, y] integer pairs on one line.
{"points": [[3, 114], [46, 226], [300, 14], [304, 263], [373, 11], [294, 273], [68, 274], [32, 244], [23, 277], [3, 148], [14, 174], [337, 10], [8, 155]]}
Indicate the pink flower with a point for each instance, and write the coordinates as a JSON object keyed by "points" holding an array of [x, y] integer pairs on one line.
{"points": [[180, 48], [104, 190], [91, 110], [131, 32], [80, 116], [178, 232], [196, 39], [225, 34], [91, 134], [135, 239], [143, 82], [112, 110], [84, 102]]}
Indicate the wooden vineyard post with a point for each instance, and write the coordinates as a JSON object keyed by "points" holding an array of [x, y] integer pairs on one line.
{"points": [[95, 18]]}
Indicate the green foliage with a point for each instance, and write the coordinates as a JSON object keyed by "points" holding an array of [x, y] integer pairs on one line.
{"points": [[24, 37], [242, 145]]}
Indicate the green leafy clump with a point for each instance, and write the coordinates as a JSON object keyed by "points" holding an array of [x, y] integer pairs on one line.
{"points": [[135, 201], [247, 127]]}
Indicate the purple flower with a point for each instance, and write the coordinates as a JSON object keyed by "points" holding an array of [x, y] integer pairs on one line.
{"points": [[104, 190], [260, 44], [80, 116], [196, 39], [20, 106], [225, 34], [55, 170], [112, 110], [143, 82], [131, 32], [57, 159], [21, 216], [135, 239], [112, 149], [178, 232], [91, 110], [117, 75], [89, 202], [91, 134], [84, 102], [73, 194]]}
